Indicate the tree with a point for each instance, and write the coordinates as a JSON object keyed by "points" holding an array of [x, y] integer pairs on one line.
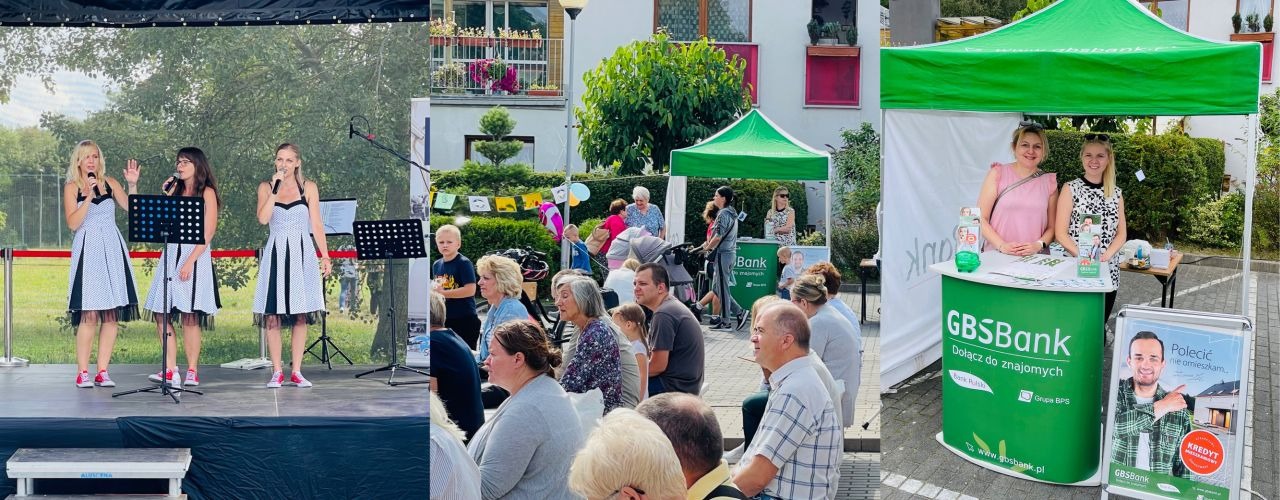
{"points": [[1032, 6], [237, 93], [1003, 10], [497, 124], [653, 96]]}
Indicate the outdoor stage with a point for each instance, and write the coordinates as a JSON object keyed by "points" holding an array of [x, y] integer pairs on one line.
{"points": [[343, 438]]}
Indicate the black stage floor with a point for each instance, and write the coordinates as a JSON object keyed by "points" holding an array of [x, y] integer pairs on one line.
{"points": [[344, 438], [43, 391]]}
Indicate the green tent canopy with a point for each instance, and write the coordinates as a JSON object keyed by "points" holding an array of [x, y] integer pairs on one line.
{"points": [[751, 148], [1077, 57]]}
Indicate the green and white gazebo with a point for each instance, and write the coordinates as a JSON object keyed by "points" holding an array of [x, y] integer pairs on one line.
{"points": [[949, 109], [751, 148]]}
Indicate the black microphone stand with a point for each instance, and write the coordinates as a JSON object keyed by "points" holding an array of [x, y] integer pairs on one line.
{"points": [[352, 131]]}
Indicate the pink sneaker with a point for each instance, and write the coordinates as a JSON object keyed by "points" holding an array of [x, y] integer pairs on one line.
{"points": [[277, 378], [192, 379], [103, 380], [83, 381], [299, 380]]}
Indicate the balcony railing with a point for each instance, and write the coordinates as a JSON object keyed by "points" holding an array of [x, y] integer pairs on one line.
{"points": [[465, 66]]}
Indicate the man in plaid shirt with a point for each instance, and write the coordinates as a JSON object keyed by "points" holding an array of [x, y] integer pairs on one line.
{"points": [[1150, 422], [796, 453]]}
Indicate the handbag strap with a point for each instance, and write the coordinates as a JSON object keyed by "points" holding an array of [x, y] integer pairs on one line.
{"points": [[1010, 187]]}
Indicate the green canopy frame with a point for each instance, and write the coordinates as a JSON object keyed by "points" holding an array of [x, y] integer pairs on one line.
{"points": [[754, 147]]}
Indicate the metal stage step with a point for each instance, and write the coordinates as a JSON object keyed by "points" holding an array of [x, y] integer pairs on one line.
{"points": [[28, 464]]}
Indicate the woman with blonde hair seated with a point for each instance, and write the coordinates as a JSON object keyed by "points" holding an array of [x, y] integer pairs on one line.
{"points": [[627, 457]]}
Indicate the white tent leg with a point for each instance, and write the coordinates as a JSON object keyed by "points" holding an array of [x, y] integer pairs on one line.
{"points": [[830, 224], [1250, 179], [677, 192]]}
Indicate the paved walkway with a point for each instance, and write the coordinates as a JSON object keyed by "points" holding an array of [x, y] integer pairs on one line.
{"points": [[914, 465]]}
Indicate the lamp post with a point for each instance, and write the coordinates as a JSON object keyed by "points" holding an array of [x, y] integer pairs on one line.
{"points": [[573, 8]]}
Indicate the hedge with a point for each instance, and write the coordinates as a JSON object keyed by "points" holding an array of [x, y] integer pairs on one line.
{"points": [[483, 235], [754, 196], [1180, 172]]}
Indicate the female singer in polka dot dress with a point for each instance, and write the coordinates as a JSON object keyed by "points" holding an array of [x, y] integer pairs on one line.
{"points": [[101, 291], [290, 288], [193, 282]]}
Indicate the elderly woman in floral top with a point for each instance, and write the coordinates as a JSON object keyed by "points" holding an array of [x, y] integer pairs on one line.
{"points": [[642, 214], [597, 359]]}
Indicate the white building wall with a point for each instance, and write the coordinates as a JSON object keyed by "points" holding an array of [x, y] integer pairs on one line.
{"points": [[777, 27], [1211, 19]]}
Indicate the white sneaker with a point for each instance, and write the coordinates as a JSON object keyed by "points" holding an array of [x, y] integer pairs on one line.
{"points": [[299, 380], [276, 379], [174, 379]]}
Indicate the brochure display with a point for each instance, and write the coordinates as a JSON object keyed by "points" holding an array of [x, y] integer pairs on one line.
{"points": [[1175, 428], [1019, 357]]}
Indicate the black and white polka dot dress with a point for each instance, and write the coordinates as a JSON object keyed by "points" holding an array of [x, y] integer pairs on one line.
{"points": [[289, 281], [101, 275], [198, 295], [1088, 198]]}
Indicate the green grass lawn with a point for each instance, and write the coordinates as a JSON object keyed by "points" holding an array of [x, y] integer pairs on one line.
{"points": [[40, 301]]}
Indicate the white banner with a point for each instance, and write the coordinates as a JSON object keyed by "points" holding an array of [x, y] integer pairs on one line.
{"points": [[933, 164], [677, 193], [419, 269]]}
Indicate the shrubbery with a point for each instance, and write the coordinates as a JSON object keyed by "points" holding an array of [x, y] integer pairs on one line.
{"points": [[1180, 173]]}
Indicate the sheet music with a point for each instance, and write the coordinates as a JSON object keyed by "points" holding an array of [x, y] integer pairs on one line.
{"points": [[337, 216]]}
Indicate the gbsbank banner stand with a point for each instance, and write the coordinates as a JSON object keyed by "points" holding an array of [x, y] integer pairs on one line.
{"points": [[1022, 370], [1177, 404]]}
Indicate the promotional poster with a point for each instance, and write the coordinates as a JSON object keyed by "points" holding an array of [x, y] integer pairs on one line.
{"points": [[1177, 412]]}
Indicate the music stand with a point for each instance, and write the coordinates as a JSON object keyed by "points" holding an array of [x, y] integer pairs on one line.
{"points": [[165, 219], [337, 216], [387, 240]]}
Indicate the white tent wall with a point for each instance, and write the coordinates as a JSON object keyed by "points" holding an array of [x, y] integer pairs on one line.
{"points": [[933, 164], [677, 193]]}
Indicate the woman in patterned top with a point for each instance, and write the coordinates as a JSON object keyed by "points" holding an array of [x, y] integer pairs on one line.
{"points": [[596, 361], [193, 285], [290, 291], [644, 215], [1095, 193], [782, 218], [101, 292]]}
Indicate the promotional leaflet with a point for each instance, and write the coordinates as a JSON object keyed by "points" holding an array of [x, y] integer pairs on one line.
{"points": [[1032, 267], [1088, 242]]}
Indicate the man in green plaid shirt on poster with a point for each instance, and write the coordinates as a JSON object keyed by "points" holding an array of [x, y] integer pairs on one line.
{"points": [[1150, 422]]}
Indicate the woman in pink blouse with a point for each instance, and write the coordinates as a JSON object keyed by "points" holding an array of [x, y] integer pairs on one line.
{"points": [[1018, 200]]}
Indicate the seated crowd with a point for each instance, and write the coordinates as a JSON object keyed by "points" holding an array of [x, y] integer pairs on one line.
{"points": [[644, 364]]}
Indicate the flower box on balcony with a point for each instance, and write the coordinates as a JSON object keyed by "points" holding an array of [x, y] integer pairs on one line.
{"points": [[544, 92], [441, 41], [475, 41], [521, 43], [832, 50]]}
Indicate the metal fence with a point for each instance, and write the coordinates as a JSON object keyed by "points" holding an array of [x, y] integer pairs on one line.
{"points": [[486, 66], [31, 208]]}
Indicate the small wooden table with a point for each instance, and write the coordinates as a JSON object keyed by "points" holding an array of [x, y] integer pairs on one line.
{"points": [[864, 269], [1168, 277]]}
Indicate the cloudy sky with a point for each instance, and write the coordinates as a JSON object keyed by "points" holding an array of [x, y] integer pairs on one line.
{"points": [[75, 95]]}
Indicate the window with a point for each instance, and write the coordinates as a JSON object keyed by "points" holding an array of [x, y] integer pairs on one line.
{"points": [[1172, 12], [525, 156], [719, 20], [495, 15]]}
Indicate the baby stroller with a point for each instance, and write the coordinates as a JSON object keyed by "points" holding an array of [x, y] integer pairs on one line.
{"points": [[673, 259]]}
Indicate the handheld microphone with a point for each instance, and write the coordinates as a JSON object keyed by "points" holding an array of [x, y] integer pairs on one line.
{"points": [[96, 192], [168, 184], [276, 188], [351, 130]]}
